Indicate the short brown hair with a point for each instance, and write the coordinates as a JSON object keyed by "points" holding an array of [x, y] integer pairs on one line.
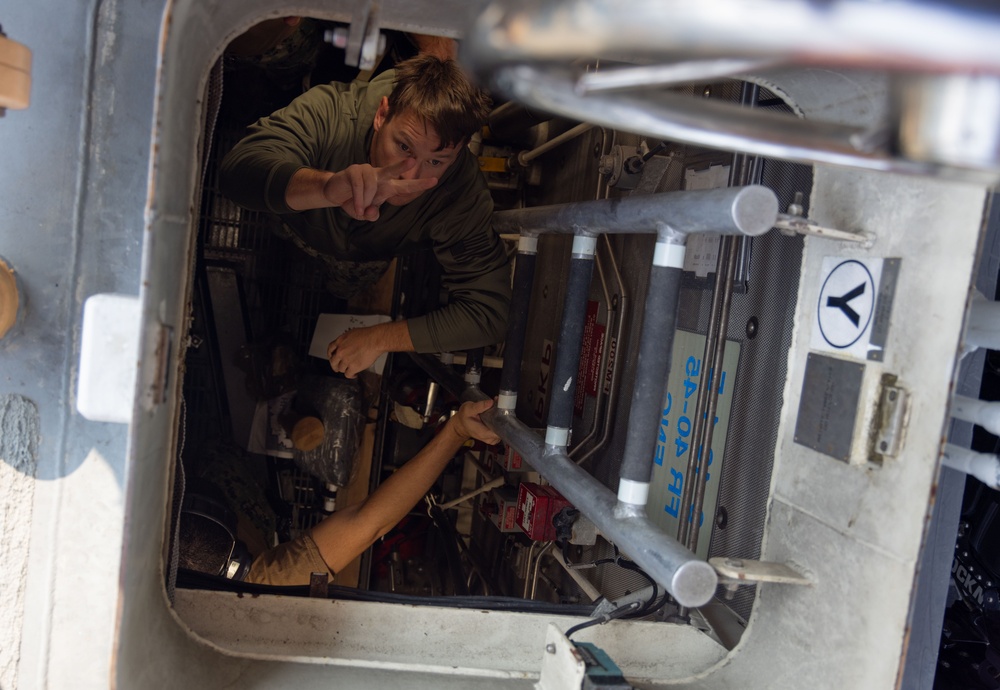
{"points": [[438, 92]]}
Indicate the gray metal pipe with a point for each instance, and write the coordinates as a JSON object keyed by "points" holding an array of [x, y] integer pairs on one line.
{"points": [[749, 211], [691, 581], [936, 36], [525, 157], [678, 117]]}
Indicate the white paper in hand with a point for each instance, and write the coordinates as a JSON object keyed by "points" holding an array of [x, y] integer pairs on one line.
{"points": [[330, 326]]}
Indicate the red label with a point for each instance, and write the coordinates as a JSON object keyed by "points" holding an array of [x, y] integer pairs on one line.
{"points": [[591, 350]]}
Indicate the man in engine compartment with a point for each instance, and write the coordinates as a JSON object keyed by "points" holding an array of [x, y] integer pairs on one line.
{"points": [[360, 173]]}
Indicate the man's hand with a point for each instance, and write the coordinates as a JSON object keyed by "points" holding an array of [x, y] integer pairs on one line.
{"points": [[360, 189], [353, 352], [356, 349], [467, 424]]}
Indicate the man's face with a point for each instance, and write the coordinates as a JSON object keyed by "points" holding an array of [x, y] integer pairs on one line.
{"points": [[407, 136]]}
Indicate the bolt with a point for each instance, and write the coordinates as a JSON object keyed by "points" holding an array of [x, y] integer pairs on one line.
{"points": [[550, 648], [795, 208], [883, 446]]}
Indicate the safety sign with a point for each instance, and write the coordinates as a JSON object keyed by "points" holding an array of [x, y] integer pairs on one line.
{"points": [[855, 300]]}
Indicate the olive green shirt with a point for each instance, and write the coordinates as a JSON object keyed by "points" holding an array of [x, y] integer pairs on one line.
{"points": [[329, 128]]}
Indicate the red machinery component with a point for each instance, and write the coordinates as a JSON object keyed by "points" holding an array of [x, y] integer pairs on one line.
{"points": [[536, 506]]}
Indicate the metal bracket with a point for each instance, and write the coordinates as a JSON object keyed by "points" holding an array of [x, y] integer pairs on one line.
{"points": [[796, 225], [734, 572], [890, 420], [562, 665]]}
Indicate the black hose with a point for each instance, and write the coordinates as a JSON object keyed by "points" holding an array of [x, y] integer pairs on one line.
{"points": [[517, 321], [567, 362], [653, 364]]}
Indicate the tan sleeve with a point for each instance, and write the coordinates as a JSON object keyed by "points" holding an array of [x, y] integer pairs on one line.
{"points": [[290, 563]]}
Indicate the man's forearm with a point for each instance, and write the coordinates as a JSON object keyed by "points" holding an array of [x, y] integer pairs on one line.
{"points": [[306, 190], [344, 535], [392, 337], [397, 495]]}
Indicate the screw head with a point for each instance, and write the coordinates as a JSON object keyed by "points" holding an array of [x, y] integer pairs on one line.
{"points": [[751, 328], [721, 518], [550, 648]]}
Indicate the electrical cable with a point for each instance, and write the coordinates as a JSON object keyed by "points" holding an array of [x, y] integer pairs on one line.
{"points": [[648, 608], [653, 151], [617, 613], [189, 579]]}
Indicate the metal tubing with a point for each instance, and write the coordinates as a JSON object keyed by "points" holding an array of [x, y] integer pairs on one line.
{"points": [[564, 371], [517, 320], [583, 583], [525, 157], [538, 567], [936, 36], [701, 401], [744, 211], [691, 581], [744, 169], [677, 117], [612, 402], [492, 484], [659, 76], [713, 397], [653, 364]]}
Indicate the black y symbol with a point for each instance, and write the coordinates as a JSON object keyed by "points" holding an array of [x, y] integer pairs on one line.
{"points": [[842, 303]]}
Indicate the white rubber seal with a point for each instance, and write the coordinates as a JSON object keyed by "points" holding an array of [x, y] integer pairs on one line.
{"points": [[555, 436], [636, 493], [669, 255], [527, 244], [584, 245], [506, 401]]}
